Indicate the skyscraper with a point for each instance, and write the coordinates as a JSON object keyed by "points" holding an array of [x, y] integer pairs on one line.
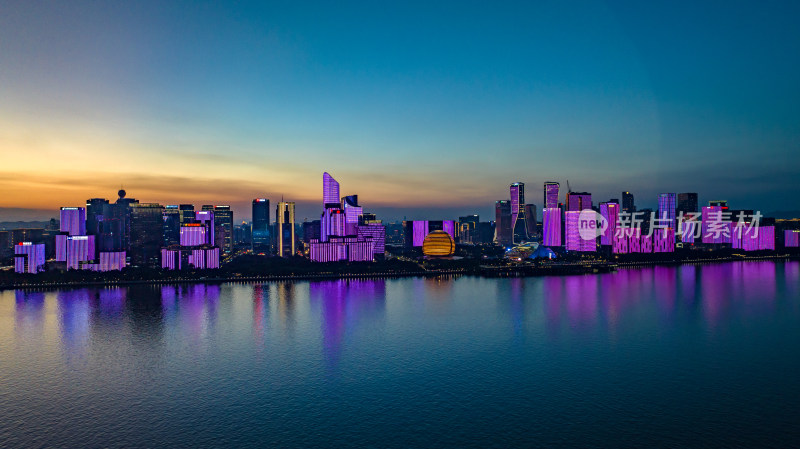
{"points": [[530, 219], [260, 235], [609, 211], [330, 190], [503, 229], [550, 195], [223, 218], [666, 210], [206, 218], [551, 226], [284, 229], [627, 202], [519, 223], [28, 257], [223, 226], [687, 203], [73, 220], [171, 225], [352, 211], [94, 215], [578, 201], [345, 233], [147, 226]]}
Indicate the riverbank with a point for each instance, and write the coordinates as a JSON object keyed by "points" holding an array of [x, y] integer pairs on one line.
{"points": [[488, 271]]}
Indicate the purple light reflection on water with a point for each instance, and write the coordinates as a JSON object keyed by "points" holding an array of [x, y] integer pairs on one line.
{"points": [[343, 304]]}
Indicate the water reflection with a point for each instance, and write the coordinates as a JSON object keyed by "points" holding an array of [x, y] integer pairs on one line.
{"points": [[345, 304], [332, 312]]}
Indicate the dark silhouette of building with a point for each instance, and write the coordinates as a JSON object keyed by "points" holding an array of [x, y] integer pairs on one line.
{"points": [[260, 237], [146, 237], [627, 202], [223, 226], [503, 235], [687, 202]]}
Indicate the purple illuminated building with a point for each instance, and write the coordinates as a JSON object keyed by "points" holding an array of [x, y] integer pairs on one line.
{"points": [[28, 257], [420, 228], [112, 260], [330, 190], [194, 234], [766, 237], [449, 226], [646, 244], [73, 220], [578, 201], [352, 212], [572, 235], [342, 249], [620, 240], [635, 241], [204, 258], [689, 231], [206, 219], [375, 232], [170, 259], [663, 241], [346, 233], [332, 224], [712, 220], [550, 195], [667, 203], [791, 238], [519, 220], [79, 248], [609, 211], [551, 226]]}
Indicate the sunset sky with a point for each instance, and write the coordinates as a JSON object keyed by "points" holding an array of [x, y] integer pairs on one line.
{"points": [[424, 109]]}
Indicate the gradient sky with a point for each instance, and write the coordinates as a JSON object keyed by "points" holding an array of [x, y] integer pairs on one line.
{"points": [[424, 109]]}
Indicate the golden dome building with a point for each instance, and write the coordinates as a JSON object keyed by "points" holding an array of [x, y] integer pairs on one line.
{"points": [[438, 244]]}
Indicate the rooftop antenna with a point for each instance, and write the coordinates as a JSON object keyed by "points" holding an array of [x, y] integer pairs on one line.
{"points": [[569, 189]]}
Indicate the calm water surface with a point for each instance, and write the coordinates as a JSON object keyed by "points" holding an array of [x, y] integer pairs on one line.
{"points": [[704, 356]]}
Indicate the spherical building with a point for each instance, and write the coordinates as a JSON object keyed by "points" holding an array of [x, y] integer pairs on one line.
{"points": [[438, 244]]}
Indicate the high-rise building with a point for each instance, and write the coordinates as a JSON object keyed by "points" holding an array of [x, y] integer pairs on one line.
{"points": [[530, 219], [311, 230], [186, 213], [610, 212], [550, 195], [352, 212], [687, 203], [667, 205], [206, 218], [712, 225], [627, 202], [147, 227], [260, 236], [223, 219], [551, 226], [223, 226], [468, 229], [503, 220], [284, 229], [519, 223], [330, 190], [578, 201], [29, 257], [73, 220], [345, 233], [94, 215], [171, 225]]}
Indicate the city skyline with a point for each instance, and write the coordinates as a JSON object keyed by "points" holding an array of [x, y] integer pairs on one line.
{"points": [[220, 104]]}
